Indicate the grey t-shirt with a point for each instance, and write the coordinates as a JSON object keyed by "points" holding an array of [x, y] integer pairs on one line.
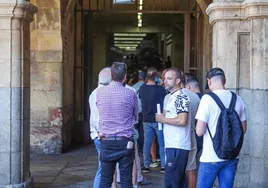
{"points": [[192, 112]]}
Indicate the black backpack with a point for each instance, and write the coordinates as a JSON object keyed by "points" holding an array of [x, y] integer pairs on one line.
{"points": [[229, 134]]}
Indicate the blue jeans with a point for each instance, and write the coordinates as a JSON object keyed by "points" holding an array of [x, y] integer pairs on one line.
{"points": [[98, 173], [150, 129], [224, 170], [175, 176], [113, 151]]}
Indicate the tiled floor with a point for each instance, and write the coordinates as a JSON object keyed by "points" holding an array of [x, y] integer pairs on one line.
{"points": [[75, 169]]}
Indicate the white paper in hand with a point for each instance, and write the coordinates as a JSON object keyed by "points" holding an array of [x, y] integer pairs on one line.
{"points": [[159, 112]]}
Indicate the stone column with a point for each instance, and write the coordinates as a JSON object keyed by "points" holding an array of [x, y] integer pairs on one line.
{"points": [[240, 47], [15, 17]]}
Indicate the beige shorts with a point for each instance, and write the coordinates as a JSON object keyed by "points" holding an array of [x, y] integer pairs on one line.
{"points": [[191, 164]]}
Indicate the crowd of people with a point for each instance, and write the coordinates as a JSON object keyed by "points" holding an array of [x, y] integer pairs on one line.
{"points": [[163, 118]]}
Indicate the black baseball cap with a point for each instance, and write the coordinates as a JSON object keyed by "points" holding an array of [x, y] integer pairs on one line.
{"points": [[214, 72]]}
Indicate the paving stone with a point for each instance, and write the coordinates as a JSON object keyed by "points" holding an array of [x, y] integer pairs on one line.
{"points": [[75, 169]]}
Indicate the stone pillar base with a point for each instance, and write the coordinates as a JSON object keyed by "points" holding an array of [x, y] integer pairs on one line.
{"points": [[27, 184]]}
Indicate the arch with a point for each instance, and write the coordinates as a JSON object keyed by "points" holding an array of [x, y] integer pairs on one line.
{"points": [[203, 4]]}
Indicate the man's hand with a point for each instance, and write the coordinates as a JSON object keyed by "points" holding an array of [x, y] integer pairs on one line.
{"points": [[160, 118]]}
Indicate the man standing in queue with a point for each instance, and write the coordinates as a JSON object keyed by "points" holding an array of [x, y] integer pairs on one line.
{"points": [[118, 112], [177, 132]]}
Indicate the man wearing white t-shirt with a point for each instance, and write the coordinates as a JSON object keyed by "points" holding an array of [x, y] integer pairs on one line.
{"points": [[177, 131], [208, 113]]}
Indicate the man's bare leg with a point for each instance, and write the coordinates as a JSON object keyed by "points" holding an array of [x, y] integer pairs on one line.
{"points": [[191, 176]]}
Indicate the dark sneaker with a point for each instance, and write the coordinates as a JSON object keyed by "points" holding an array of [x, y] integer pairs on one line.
{"points": [[162, 171], [144, 182], [154, 164], [145, 170]]}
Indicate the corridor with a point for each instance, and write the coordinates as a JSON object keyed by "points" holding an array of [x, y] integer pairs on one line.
{"points": [[75, 169]]}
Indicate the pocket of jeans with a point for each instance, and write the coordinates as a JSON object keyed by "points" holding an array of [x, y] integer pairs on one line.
{"points": [[210, 168]]}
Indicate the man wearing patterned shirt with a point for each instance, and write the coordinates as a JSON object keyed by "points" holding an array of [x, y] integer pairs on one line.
{"points": [[177, 131], [118, 112]]}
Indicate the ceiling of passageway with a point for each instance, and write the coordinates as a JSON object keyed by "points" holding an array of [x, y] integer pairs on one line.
{"points": [[147, 5], [130, 40], [129, 19]]}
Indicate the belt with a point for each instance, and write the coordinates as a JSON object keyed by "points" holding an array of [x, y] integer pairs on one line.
{"points": [[116, 138]]}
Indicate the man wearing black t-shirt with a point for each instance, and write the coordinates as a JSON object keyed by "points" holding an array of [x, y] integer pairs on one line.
{"points": [[150, 95]]}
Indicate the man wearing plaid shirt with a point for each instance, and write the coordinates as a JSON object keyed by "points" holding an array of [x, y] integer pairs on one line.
{"points": [[118, 112]]}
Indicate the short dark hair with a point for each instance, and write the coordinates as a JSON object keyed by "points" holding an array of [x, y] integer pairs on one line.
{"points": [[177, 72], [215, 72], [183, 78], [118, 71], [151, 73], [188, 76], [193, 81]]}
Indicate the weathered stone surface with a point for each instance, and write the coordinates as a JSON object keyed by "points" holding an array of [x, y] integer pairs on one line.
{"points": [[46, 140], [52, 51], [5, 166], [5, 102]]}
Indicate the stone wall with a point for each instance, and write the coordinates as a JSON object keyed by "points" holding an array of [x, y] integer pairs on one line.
{"points": [[51, 77], [240, 40]]}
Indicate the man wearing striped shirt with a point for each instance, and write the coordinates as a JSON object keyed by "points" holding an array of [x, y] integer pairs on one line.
{"points": [[118, 112]]}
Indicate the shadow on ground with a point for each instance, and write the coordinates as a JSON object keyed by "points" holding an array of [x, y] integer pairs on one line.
{"points": [[75, 169]]}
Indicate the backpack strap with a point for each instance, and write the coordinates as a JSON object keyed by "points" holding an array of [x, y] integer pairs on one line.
{"points": [[233, 101], [217, 100], [220, 104]]}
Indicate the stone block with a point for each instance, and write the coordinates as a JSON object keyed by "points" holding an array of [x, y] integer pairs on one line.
{"points": [[5, 109], [247, 97], [39, 116], [241, 180], [244, 164], [47, 4], [16, 132], [265, 38], [222, 40], [48, 19], [5, 23], [26, 73], [257, 140], [46, 40], [265, 142], [16, 101], [5, 41], [46, 140], [49, 56], [257, 38], [16, 75], [4, 72], [257, 172], [258, 73], [15, 168], [16, 44], [5, 135], [26, 103], [5, 168], [46, 77], [26, 148], [257, 108], [46, 99]]}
